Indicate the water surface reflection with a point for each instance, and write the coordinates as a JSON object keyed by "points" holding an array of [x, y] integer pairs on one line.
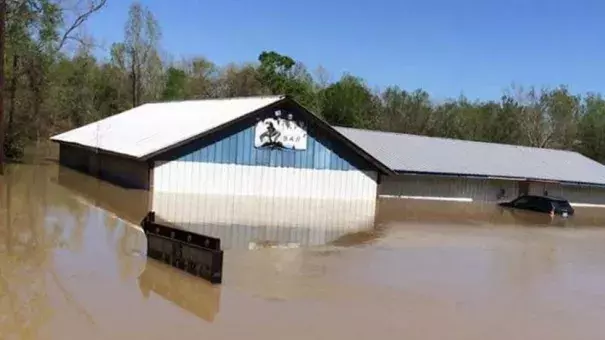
{"points": [[277, 223], [186, 291]]}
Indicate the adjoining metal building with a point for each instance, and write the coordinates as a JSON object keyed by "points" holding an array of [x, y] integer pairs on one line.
{"points": [[255, 161], [457, 170]]}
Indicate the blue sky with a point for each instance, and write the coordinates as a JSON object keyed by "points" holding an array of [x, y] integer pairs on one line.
{"points": [[473, 47]]}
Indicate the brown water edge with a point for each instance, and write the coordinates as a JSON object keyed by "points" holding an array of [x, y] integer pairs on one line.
{"points": [[71, 270]]}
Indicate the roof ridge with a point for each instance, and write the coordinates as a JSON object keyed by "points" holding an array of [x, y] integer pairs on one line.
{"points": [[275, 96]]}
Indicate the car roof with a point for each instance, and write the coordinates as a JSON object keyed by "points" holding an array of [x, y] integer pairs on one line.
{"points": [[552, 198]]}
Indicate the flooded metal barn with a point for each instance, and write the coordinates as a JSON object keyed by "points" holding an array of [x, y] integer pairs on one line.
{"points": [[466, 171], [267, 162], [248, 162]]}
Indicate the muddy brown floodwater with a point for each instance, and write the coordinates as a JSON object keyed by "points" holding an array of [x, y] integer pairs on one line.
{"points": [[70, 269]]}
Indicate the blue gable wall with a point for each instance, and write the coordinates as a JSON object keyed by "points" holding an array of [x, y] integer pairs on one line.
{"points": [[235, 145], [239, 149]]}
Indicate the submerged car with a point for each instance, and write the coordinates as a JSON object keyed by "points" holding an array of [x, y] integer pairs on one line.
{"points": [[543, 204]]}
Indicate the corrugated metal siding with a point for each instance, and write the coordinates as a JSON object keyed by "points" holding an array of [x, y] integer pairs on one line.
{"points": [[448, 187], [257, 181], [575, 194], [482, 190], [206, 193], [120, 171], [223, 179], [583, 194], [540, 188], [74, 158]]}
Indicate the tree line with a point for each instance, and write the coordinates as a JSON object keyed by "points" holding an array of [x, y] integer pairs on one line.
{"points": [[51, 88]]}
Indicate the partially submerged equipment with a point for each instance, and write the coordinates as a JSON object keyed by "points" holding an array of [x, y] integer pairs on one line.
{"points": [[197, 254]]}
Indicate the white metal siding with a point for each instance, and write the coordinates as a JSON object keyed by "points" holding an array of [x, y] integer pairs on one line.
{"points": [[210, 193], [481, 190], [452, 188], [575, 194]]}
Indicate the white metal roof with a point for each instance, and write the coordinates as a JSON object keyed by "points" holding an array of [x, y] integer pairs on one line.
{"points": [[149, 128], [422, 154]]}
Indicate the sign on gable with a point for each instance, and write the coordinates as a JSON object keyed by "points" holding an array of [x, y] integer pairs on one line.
{"points": [[280, 131]]}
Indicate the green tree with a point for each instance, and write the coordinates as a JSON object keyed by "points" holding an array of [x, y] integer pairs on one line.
{"points": [[280, 74], [563, 111], [202, 79], [176, 82], [111, 90], [349, 102], [238, 81], [406, 112], [591, 128], [274, 71], [505, 126], [74, 88], [36, 33]]}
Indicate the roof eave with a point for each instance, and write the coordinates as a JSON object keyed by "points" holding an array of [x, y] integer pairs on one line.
{"points": [[98, 150], [383, 168], [496, 177]]}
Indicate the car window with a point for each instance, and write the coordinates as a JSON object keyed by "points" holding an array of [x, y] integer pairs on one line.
{"points": [[522, 201], [547, 204], [562, 204], [540, 204]]}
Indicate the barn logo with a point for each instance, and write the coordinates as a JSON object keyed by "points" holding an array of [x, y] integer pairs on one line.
{"points": [[281, 131]]}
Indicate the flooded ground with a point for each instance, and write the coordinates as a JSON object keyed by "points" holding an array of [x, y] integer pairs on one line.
{"points": [[69, 269]]}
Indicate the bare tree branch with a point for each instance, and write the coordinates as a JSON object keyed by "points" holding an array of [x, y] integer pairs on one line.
{"points": [[84, 42], [93, 8]]}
